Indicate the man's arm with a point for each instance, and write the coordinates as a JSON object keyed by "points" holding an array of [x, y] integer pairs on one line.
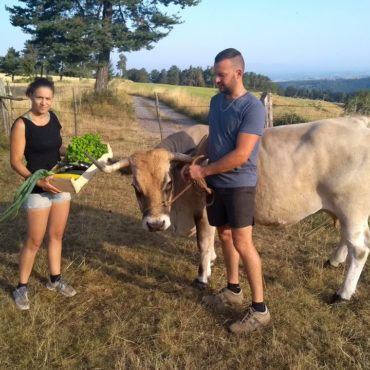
{"points": [[244, 146]]}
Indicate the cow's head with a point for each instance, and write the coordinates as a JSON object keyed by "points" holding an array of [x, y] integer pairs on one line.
{"points": [[153, 182]]}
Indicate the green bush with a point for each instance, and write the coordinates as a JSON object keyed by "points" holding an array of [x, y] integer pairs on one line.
{"points": [[288, 119], [358, 103]]}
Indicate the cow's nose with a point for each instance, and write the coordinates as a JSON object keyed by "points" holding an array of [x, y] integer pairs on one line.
{"points": [[155, 226]]}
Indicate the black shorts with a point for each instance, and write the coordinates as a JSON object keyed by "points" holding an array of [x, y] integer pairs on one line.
{"points": [[231, 206]]}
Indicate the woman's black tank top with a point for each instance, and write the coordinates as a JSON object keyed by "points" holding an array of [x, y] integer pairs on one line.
{"points": [[42, 145]]}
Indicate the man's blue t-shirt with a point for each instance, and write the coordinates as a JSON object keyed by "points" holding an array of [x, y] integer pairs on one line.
{"points": [[227, 119]]}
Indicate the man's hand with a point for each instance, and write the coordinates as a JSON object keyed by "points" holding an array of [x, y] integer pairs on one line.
{"points": [[197, 172]]}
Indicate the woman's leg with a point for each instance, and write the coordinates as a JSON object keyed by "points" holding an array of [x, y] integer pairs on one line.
{"points": [[37, 219], [57, 222]]}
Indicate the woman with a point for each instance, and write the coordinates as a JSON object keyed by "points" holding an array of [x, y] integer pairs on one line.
{"points": [[36, 136]]}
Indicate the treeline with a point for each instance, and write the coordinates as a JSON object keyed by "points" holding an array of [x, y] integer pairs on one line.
{"points": [[29, 63], [327, 95], [195, 76], [345, 85]]}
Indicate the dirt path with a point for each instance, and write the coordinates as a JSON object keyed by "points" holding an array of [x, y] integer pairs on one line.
{"points": [[146, 117]]}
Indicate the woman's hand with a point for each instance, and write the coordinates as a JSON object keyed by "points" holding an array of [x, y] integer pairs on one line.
{"points": [[45, 185]]}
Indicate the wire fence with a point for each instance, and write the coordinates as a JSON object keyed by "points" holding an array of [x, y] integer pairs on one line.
{"points": [[69, 102]]}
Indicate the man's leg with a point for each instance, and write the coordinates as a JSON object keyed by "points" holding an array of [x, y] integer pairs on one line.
{"points": [[257, 314], [231, 294], [244, 246], [231, 256]]}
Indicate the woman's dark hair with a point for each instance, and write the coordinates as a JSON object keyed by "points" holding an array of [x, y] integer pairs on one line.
{"points": [[39, 82]]}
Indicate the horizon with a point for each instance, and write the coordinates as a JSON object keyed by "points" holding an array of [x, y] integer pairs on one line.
{"points": [[301, 41]]}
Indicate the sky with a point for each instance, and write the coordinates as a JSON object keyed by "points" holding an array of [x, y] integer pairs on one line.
{"points": [[283, 39]]}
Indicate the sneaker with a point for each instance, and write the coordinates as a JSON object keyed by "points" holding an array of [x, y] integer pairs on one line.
{"points": [[251, 321], [20, 296], [62, 287], [224, 298]]}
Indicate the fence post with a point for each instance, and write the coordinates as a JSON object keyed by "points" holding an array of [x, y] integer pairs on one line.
{"points": [[75, 111], [158, 115], [11, 102], [4, 109], [266, 99]]}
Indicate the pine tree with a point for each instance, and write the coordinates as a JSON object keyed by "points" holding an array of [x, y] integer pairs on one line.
{"points": [[10, 63], [81, 31]]}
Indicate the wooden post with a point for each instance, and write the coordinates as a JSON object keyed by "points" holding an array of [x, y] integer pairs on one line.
{"points": [[158, 115], [266, 100], [75, 111], [11, 102], [4, 109]]}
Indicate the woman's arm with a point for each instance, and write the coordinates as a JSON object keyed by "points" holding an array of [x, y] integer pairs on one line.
{"points": [[62, 151], [17, 146]]}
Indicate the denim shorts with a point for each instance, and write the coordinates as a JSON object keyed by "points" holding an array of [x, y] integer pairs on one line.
{"points": [[45, 200]]}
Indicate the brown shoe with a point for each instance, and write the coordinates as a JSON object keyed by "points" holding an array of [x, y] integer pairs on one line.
{"points": [[251, 321], [224, 298]]}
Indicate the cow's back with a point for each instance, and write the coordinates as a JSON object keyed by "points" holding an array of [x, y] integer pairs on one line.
{"points": [[185, 141], [302, 168]]}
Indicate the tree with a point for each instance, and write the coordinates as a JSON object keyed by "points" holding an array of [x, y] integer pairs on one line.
{"points": [[173, 76], [162, 78], [121, 65], [93, 28], [138, 75], [154, 76], [10, 63], [28, 60], [208, 77]]}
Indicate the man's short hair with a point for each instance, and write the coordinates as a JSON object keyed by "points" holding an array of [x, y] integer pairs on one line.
{"points": [[230, 53]]}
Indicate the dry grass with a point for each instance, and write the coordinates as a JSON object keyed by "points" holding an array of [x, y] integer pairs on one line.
{"points": [[135, 308], [194, 101]]}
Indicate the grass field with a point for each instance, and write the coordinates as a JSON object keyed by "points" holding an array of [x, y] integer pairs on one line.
{"points": [[135, 308], [194, 101]]}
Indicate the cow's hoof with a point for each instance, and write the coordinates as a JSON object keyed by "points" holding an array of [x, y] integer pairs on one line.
{"points": [[327, 265], [337, 299], [198, 284]]}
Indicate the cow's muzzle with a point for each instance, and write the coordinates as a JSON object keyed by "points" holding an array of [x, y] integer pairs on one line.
{"points": [[160, 223], [155, 226]]}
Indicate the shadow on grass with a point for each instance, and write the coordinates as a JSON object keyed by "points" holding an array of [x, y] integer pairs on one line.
{"points": [[98, 237]]}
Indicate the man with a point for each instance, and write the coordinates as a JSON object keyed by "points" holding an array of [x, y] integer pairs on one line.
{"points": [[236, 122]]}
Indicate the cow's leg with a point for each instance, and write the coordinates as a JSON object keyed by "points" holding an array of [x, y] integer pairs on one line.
{"points": [[205, 242], [339, 255], [357, 237]]}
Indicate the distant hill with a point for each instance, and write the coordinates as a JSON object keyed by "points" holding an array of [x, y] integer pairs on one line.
{"points": [[342, 85]]}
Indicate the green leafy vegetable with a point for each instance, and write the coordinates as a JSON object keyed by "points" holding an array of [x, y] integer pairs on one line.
{"points": [[22, 193], [90, 143]]}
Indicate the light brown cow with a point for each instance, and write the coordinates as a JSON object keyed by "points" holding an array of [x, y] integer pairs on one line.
{"points": [[156, 179], [303, 168]]}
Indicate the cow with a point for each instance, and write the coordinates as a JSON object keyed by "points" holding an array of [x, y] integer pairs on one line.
{"points": [[156, 179], [321, 165], [302, 169]]}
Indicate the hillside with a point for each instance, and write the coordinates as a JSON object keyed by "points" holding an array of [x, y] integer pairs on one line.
{"points": [[194, 102], [335, 85]]}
